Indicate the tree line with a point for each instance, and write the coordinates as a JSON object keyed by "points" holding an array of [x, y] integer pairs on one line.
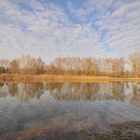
{"points": [[115, 67]]}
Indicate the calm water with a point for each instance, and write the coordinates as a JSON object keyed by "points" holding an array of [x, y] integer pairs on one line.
{"points": [[67, 106]]}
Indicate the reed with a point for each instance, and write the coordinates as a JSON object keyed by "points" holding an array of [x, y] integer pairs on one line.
{"points": [[62, 78]]}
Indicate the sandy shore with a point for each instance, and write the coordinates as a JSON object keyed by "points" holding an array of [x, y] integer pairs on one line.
{"points": [[62, 78]]}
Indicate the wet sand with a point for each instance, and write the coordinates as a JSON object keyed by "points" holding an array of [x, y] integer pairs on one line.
{"points": [[123, 131]]}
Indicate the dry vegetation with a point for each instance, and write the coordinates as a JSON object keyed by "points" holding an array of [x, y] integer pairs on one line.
{"points": [[61, 78], [71, 69]]}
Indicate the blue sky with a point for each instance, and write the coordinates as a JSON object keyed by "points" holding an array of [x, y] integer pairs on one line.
{"points": [[53, 28]]}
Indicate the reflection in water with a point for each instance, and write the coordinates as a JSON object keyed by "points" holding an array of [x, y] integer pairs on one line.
{"points": [[1, 84], [13, 89], [67, 106], [26, 92], [76, 91], [117, 91], [135, 99]]}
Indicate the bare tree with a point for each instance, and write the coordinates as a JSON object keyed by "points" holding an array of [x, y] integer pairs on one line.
{"points": [[134, 60], [14, 66]]}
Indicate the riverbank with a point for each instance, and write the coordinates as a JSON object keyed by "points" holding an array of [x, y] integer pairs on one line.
{"points": [[62, 78], [123, 131]]}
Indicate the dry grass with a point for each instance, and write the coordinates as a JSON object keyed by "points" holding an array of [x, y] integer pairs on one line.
{"points": [[61, 78]]}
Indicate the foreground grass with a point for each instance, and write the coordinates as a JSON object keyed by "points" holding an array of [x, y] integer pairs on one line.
{"points": [[62, 78]]}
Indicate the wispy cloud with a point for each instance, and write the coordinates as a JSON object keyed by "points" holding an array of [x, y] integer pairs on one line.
{"points": [[120, 20], [46, 29]]}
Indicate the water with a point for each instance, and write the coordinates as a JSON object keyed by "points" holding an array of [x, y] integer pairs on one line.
{"points": [[67, 106]]}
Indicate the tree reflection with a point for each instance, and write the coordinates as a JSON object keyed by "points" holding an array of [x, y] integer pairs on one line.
{"points": [[73, 91], [1, 84], [135, 99], [25, 92], [2, 91], [33, 90], [116, 91], [13, 89], [91, 91]]}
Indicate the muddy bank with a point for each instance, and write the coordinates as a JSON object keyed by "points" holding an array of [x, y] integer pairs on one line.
{"points": [[124, 131]]}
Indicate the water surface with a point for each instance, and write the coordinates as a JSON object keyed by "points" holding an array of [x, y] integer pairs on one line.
{"points": [[67, 106]]}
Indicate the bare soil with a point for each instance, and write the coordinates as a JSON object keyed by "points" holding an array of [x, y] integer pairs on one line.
{"points": [[123, 131]]}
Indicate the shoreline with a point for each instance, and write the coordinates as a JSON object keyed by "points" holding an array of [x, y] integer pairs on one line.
{"points": [[119, 131], [63, 78]]}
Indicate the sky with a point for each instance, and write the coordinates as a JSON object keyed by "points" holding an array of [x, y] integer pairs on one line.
{"points": [[59, 28]]}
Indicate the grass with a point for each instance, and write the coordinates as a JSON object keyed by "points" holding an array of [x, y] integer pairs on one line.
{"points": [[62, 78]]}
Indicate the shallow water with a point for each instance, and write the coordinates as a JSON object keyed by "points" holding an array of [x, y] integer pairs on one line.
{"points": [[67, 106]]}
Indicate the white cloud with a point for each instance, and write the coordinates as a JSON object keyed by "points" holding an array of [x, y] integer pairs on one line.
{"points": [[120, 20], [124, 30], [126, 9], [47, 33], [46, 30]]}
